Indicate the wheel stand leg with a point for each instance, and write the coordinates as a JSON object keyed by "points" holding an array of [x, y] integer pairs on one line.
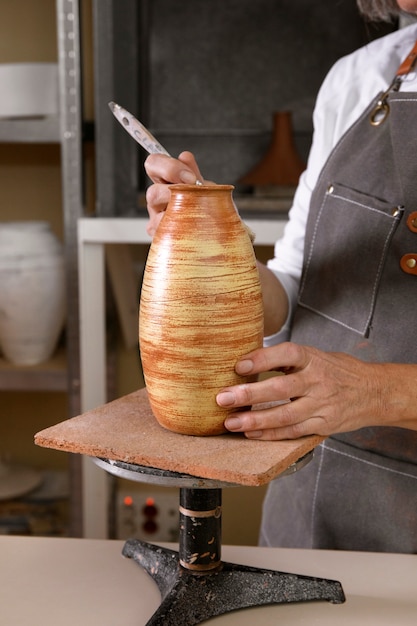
{"points": [[196, 585]]}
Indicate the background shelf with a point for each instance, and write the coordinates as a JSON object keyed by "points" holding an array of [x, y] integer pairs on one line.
{"points": [[30, 130], [49, 376]]}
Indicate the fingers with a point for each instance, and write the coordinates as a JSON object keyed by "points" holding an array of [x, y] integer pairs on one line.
{"points": [[189, 159], [164, 169], [285, 421], [157, 197], [153, 223], [283, 357], [329, 394], [287, 357], [276, 389], [273, 416]]}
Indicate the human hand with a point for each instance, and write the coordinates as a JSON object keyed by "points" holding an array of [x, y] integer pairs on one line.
{"points": [[163, 170], [330, 393]]}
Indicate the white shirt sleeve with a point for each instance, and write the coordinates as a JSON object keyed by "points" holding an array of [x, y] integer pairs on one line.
{"points": [[289, 250]]}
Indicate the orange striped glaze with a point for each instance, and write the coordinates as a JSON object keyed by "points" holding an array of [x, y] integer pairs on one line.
{"points": [[200, 308]]}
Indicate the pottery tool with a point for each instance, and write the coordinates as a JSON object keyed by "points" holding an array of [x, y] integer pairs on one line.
{"points": [[139, 132]]}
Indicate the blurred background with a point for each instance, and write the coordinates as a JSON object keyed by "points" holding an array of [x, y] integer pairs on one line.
{"points": [[203, 75]]}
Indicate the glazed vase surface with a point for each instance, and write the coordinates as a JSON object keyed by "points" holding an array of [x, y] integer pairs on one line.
{"points": [[32, 291], [200, 308]]}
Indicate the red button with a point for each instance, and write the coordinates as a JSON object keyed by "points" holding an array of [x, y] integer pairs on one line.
{"points": [[409, 263], [412, 221]]}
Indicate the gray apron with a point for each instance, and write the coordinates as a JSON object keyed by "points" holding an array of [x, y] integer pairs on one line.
{"points": [[358, 294]]}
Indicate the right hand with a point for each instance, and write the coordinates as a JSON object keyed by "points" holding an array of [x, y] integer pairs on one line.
{"points": [[164, 170]]}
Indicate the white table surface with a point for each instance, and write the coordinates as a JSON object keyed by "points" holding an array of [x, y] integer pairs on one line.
{"points": [[63, 582]]}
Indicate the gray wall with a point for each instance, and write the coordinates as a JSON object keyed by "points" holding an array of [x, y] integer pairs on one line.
{"points": [[218, 69]]}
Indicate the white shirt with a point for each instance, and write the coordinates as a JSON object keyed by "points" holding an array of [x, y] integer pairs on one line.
{"points": [[347, 90]]}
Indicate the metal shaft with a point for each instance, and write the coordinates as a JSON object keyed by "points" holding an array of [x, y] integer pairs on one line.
{"points": [[200, 529]]}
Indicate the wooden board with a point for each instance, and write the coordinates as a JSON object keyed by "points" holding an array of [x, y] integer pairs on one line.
{"points": [[126, 430]]}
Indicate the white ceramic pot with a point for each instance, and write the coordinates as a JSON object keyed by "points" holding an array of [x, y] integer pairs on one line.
{"points": [[28, 89], [32, 291]]}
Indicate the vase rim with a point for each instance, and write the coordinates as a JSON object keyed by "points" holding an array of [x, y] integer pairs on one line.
{"points": [[184, 186]]}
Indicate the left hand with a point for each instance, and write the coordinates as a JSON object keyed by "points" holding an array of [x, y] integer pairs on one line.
{"points": [[329, 393]]}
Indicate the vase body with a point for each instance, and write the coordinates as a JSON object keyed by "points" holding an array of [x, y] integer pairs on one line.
{"points": [[32, 291], [200, 308]]}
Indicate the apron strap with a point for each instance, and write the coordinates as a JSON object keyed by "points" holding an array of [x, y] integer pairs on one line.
{"points": [[381, 110], [409, 62], [401, 135]]}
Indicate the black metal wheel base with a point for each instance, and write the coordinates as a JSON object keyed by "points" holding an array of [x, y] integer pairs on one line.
{"points": [[195, 584], [190, 597]]}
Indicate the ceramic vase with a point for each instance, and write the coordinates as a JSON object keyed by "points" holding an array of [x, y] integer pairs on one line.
{"points": [[32, 291], [281, 165], [200, 308]]}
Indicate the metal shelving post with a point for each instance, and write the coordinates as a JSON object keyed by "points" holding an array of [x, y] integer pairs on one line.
{"points": [[70, 136]]}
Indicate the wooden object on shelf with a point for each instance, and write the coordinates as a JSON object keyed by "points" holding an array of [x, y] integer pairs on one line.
{"points": [[281, 166], [126, 430]]}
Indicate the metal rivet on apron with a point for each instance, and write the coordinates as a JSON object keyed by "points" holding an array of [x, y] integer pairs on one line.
{"points": [[330, 189], [412, 221], [409, 263]]}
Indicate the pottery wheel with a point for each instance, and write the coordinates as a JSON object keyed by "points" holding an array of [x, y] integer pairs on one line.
{"points": [[126, 440], [165, 478], [126, 430]]}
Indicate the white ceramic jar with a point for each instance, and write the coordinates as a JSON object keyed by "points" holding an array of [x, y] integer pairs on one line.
{"points": [[32, 291]]}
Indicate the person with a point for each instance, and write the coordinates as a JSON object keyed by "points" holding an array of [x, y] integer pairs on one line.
{"points": [[340, 297]]}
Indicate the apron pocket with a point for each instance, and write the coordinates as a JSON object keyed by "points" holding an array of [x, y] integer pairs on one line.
{"points": [[342, 273]]}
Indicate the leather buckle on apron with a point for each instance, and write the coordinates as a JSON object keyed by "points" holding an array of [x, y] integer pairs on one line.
{"points": [[381, 111]]}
